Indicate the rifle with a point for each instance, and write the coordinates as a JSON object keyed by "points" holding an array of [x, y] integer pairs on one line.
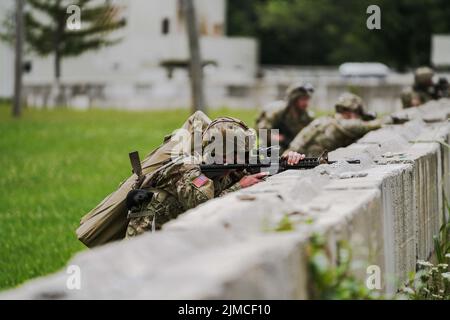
{"points": [[136, 166], [136, 197], [281, 165]]}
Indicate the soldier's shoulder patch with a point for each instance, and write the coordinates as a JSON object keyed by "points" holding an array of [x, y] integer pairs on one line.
{"points": [[200, 180]]}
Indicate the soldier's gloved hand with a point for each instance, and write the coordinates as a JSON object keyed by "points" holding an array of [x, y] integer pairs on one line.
{"points": [[250, 180], [292, 157]]}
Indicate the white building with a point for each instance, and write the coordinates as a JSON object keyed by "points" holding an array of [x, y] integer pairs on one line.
{"points": [[6, 56], [137, 72], [440, 50]]}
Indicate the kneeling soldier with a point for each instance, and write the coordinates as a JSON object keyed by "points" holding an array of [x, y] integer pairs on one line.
{"points": [[289, 116]]}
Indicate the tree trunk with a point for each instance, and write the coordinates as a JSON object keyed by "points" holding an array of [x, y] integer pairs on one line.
{"points": [[57, 66], [58, 94], [18, 66], [195, 65]]}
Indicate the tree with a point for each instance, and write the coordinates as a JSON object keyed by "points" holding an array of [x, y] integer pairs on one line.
{"points": [[18, 44], [46, 29], [327, 32], [195, 63]]}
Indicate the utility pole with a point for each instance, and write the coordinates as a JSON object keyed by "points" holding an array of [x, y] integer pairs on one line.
{"points": [[18, 66], [195, 63]]}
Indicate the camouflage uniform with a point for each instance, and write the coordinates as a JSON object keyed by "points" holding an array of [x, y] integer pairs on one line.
{"points": [[422, 91], [330, 133], [180, 185], [285, 116]]}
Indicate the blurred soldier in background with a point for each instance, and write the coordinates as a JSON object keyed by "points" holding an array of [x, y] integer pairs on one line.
{"points": [[442, 88], [289, 116], [350, 123], [424, 89], [180, 185]]}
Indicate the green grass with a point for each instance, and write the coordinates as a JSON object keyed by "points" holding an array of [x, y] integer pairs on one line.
{"points": [[56, 165]]}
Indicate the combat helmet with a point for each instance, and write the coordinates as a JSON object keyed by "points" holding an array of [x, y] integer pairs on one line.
{"points": [[349, 102], [298, 90], [423, 75], [226, 138]]}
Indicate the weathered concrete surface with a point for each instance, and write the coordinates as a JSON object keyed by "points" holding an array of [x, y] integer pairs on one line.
{"points": [[387, 208]]}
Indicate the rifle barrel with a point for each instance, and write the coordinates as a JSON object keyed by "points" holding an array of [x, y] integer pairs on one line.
{"points": [[307, 163], [348, 161]]}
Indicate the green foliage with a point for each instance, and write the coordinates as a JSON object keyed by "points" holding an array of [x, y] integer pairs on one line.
{"points": [[333, 280], [56, 165], [327, 32], [431, 282], [46, 32], [285, 224], [97, 21], [441, 241]]}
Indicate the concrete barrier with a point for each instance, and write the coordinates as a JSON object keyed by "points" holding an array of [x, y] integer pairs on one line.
{"points": [[387, 208]]}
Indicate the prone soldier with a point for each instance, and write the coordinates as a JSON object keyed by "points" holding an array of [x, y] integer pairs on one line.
{"points": [[180, 184], [350, 123]]}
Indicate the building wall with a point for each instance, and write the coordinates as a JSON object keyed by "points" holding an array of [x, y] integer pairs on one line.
{"points": [[145, 46], [440, 50], [6, 71], [131, 74], [6, 55]]}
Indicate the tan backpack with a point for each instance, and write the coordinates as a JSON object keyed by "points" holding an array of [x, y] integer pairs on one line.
{"points": [[108, 220]]}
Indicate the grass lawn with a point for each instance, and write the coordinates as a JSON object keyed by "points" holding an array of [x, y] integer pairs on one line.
{"points": [[56, 165]]}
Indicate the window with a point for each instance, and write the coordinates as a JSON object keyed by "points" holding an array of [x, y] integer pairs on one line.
{"points": [[237, 91], [142, 88], [281, 91], [218, 29], [165, 27]]}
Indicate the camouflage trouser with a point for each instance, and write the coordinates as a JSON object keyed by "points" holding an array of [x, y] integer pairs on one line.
{"points": [[161, 209]]}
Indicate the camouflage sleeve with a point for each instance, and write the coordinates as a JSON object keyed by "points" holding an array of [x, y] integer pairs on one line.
{"points": [[194, 188], [229, 183], [269, 119], [298, 144], [411, 99], [359, 128], [263, 122], [406, 98], [305, 137], [233, 188]]}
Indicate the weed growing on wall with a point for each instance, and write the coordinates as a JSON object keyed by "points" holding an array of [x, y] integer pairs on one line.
{"points": [[432, 280], [333, 280]]}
